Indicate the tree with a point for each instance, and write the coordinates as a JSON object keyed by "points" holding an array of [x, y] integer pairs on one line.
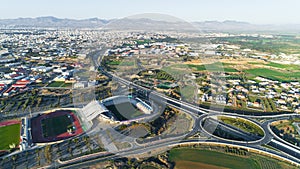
{"points": [[14, 157], [48, 154]]}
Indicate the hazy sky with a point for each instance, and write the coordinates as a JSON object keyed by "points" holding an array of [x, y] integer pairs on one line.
{"points": [[254, 11]]}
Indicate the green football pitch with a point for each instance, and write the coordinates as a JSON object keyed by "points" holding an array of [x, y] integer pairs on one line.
{"points": [[124, 111], [9, 135], [56, 125]]}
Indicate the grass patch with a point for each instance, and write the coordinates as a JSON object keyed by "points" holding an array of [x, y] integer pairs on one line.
{"points": [[242, 124], [9, 135], [60, 84], [113, 62], [188, 92], [127, 63], [56, 84], [66, 85]]}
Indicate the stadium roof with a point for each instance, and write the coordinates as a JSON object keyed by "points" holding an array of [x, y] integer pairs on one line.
{"points": [[93, 109]]}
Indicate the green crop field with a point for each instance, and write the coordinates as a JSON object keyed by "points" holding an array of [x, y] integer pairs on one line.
{"points": [[281, 44], [275, 75], [196, 158], [9, 135], [212, 158], [284, 66], [214, 67], [56, 125], [176, 71]]}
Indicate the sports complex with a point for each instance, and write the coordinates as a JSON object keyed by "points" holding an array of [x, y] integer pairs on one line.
{"points": [[60, 124]]}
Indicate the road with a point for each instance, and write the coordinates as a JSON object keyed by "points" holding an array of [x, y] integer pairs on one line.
{"points": [[158, 145], [290, 153]]}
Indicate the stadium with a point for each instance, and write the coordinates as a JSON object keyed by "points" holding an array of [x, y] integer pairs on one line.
{"points": [[60, 124], [55, 126], [122, 109]]}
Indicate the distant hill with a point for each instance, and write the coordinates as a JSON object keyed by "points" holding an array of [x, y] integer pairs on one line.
{"points": [[226, 25], [51, 22], [236, 26], [145, 24], [149, 25]]}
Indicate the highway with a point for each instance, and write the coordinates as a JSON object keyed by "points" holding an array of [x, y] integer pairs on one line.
{"points": [[188, 106], [289, 154], [162, 144], [269, 135]]}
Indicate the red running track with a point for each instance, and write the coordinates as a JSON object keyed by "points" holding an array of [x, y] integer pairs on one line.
{"points": [[9, 122]]}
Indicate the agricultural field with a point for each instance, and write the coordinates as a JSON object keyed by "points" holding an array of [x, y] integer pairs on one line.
{"points": [[270, 70], [10, 134], [176, 71], [281, 76], [209, 159], [195, 158], [284, 66], [288, 44], [213, 67]]}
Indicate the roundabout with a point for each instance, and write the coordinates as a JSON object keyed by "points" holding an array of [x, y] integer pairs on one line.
{"points": [[242, 131]]}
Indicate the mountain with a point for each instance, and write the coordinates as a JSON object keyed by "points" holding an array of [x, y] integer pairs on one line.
{"points": [[237, 26], [51, 22], [148, 25], [230, 26], [144, 23]]}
